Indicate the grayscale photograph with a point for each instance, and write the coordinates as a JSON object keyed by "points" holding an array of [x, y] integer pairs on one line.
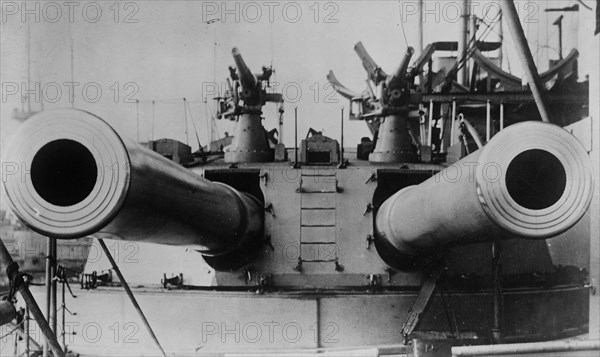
{"points": [[311, 178]]}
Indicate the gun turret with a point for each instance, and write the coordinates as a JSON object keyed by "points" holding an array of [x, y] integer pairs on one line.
{"points": [[76, 177], [244, 102], [532, 180], [386, 115]]}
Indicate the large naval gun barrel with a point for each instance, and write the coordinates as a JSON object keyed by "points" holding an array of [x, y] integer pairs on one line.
{"points": [[533, 180], [75, 176], [247, 79], [396, 79]]}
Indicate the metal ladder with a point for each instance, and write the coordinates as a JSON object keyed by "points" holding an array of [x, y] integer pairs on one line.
{"points": [[318, 217]]}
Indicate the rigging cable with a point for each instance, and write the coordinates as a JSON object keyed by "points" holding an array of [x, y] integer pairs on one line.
{"points": [[472, 45], [585, 5], [214, 123], [194, 124], [403, 32], [17, 327], [208, 113]]}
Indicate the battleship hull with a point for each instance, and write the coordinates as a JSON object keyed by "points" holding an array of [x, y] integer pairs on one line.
{"points": [[191, 322]]}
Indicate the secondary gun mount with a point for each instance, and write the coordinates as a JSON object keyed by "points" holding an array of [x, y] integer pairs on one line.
{"points": [[244, 101], [389, 107], [533, 180], [76, 177]]}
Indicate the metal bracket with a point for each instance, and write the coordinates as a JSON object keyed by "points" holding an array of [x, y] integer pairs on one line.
{"points": [[389, 272], [268, 242], [176, 280], [269, 208], [300, 189], [265, 177], [373, 178], [338, 267], [262, 283], [338, 189], [298, 266], [373, 280], [370, 240], [248, 275]]}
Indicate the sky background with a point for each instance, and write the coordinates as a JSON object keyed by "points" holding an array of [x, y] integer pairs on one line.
{"points": [[165, 51]]}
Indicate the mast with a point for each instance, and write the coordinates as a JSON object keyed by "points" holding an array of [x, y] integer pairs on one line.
{"points": [[211, 119], [28, 65], [501, 35], [420, 29], [462, 42]]}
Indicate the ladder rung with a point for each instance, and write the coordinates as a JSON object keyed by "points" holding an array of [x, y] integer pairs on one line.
{"points": [[317, 225], [318, 261]]}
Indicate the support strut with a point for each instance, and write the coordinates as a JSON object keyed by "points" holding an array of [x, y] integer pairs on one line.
{"points": [[130, 294], [423, 299], [509, 13]]}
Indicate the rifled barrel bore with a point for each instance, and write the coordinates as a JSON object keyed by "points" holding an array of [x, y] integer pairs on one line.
{"points": [[533, 180], [74, 176]]}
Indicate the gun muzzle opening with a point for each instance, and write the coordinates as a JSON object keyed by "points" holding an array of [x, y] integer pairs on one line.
{"points": [[544, 182], [536, 179], [64, 172], [532, 180], [73, 173]]}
